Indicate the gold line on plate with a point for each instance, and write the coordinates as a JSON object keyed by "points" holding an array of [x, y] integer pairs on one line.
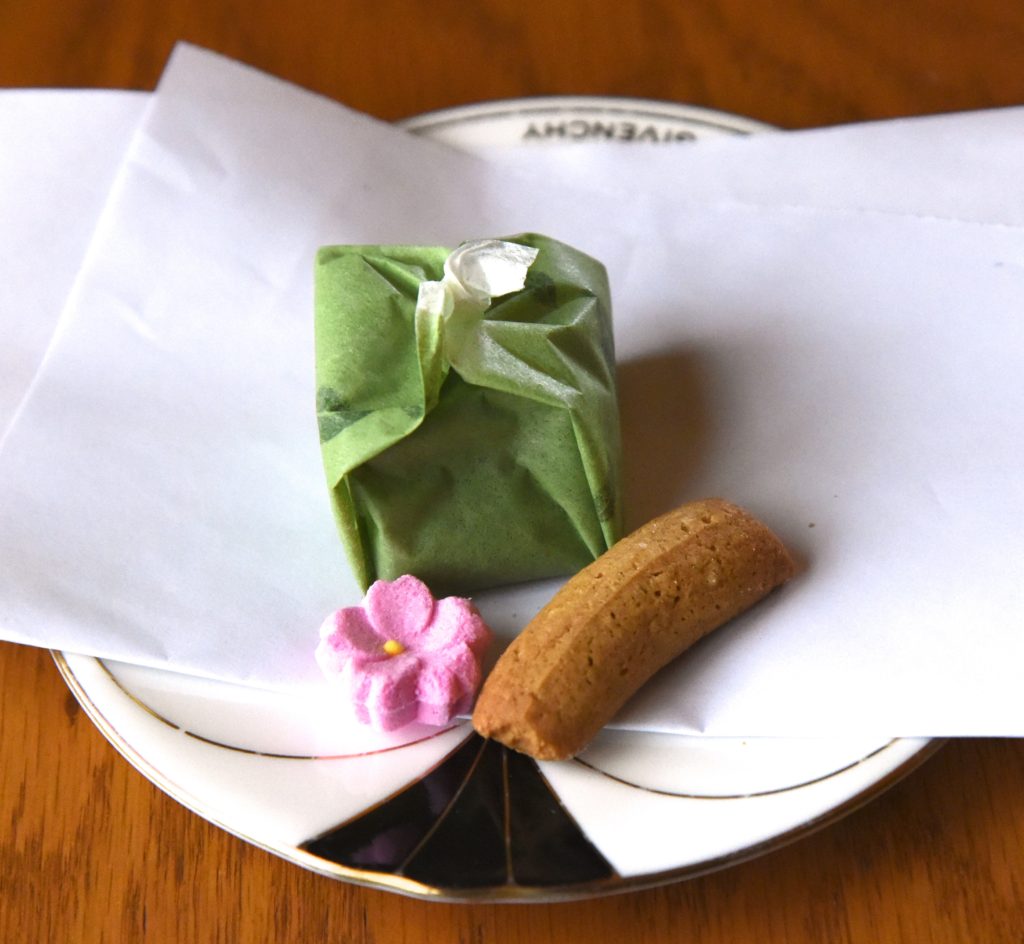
{"points": [[67, 671], [447, 809], [506, 796], [734, 796]]}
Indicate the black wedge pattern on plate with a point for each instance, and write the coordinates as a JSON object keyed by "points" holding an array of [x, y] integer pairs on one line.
{"points": [[485, 817]]}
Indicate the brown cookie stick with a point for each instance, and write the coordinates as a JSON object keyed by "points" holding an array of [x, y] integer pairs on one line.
{"points": [[618, 621]]}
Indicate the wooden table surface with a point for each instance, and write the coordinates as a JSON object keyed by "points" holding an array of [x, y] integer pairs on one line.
{"points": [[91, 851]]}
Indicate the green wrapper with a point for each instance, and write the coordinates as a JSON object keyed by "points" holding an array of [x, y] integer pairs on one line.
{"points": [[476, 450]]}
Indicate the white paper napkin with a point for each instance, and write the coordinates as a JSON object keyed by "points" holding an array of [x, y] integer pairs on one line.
{"points": [[822, 332], [59, 152], [955, 167], [162, 499]]}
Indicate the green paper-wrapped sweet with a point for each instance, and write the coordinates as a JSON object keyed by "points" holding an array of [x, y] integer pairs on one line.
{"points": [[467, 410]]}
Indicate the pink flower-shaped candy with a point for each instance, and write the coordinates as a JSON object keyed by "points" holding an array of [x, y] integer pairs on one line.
{"points": [[402, 656]]}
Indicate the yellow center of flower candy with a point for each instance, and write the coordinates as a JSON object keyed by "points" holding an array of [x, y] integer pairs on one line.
{"points": [[393, 647]]}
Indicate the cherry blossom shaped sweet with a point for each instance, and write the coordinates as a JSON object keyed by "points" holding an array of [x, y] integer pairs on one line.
{"points": [[402, 656]]}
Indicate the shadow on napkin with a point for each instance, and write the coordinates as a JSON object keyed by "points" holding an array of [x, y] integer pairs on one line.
{"points": [[666, 430]]}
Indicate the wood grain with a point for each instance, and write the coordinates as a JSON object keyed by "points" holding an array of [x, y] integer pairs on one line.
{"points": [[91, 852], [794, 63]]}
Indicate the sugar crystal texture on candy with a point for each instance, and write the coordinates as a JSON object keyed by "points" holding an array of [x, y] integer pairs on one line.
{"points": [[402, 657]]}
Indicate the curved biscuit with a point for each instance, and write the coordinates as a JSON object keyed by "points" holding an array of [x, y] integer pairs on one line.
{"points": [[618, 621]]}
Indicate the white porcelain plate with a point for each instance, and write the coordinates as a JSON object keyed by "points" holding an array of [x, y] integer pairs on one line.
{"points": [[445, 814]]}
